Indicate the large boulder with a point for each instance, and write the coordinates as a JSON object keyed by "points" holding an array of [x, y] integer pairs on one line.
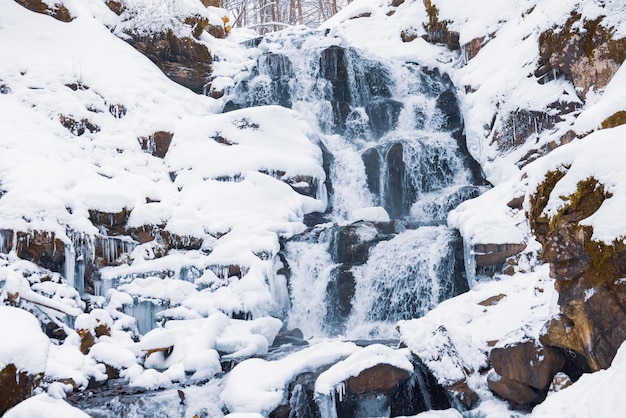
{"points": [[584, 50], [23, 356], [182, 59], [524, 371], [588, 273]]}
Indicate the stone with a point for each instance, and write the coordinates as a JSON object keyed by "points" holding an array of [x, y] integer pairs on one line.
{"points": [[473, 47], [78, 127], [528, 362], [183, 60], [115, 6], [520, 395], [592, 297], [617, 119], [57, 10], [113, 223], [382, 378], [463, 393], [584, 50], [15, 386], [42, 248], [496, 254], [493, 300], [437, 31], [157, 144]]}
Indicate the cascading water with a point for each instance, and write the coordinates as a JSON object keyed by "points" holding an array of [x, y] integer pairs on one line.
{"points": [[394, 131]]}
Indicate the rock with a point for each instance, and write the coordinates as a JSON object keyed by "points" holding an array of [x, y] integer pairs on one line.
{"points": [[115, 6], [495, 254], [528, 362], [382, 378], [42, 248], [592, 297], [78, 127], [183, 60], [492, 300], [437, 31], [463, 393], [112, 223], [520, 395], [473, 47], [23, 356], [584, 50], [617, 119], [57, 10], [157, 144]]}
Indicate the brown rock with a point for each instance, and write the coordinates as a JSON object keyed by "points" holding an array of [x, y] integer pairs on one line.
{"points": [[179, 242], [382, 378], [463, 393], [113, 223], [184, 60], [157, 144], [78, 127], [42, 248], [617, 119], [15, 386], [588, 56], [495, 254], [437, 31], [87, 340], [58, 11], [592, 297], [115, 6], [522, 396], [492, 300], [529, 363], [473, 47]]}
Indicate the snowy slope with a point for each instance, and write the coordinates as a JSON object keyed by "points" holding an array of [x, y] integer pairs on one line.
{"points": [[219, 183]]}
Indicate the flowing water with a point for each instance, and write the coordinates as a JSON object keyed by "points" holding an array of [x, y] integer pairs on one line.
{"points": [[393, 136]]}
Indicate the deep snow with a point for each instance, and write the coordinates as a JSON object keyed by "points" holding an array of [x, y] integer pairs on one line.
{"points": [[50, 178]]}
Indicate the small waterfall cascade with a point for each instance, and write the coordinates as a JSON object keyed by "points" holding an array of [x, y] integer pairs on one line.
{"points": [[392, 135]]}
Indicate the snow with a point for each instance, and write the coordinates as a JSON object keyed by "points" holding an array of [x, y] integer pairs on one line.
{"points": [[223, 181], [44, 406], [453, 338], [593, 395], [24, 344], [258, 385]]}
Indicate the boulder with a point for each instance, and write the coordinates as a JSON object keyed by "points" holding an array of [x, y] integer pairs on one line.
{"points": [[520, 396], [584, 50], [527, 362], [57, 10], [157, 144], [114, 223], [592, 296], [42, 248], [496, 254], [184, 60], [23, 356]]}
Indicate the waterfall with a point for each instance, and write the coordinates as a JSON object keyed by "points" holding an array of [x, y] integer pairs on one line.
{"points": [[403, 278], [396, 137]]}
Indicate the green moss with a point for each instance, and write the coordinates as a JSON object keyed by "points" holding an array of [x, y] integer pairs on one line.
{"points": [[553, 42], [538, 201], [581, 204], [607, 261]]}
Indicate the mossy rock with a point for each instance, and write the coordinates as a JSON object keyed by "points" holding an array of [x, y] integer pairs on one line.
{"points": [[617, 119], [588, 56], [15, 386]]}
